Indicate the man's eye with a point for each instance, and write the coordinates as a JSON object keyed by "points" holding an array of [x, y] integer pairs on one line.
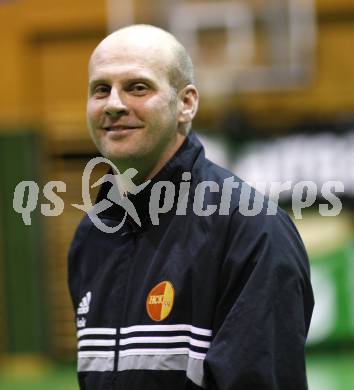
{"points": [[102, 90], [139, 88]]}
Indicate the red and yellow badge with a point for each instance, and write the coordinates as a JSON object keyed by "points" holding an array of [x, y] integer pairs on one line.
{"points": [[159, 301]]}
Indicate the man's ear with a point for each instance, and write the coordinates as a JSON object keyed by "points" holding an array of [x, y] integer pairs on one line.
{"points": [[188, 99]]}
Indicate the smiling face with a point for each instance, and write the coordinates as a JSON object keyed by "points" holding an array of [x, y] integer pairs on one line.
{"points": [[136, 117]]}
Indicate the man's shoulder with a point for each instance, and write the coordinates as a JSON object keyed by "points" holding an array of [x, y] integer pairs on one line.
{"points": [[232, 194], [243, 206], [208, 170], [81, 233]]}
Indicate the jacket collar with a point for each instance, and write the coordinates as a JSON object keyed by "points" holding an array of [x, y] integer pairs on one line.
{"points": [[183, 161]]}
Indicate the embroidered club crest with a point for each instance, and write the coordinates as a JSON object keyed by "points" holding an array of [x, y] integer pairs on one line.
{"points": [[159, 301]]}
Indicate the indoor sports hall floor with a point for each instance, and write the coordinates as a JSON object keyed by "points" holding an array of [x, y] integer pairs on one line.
{"points": [[325, 372]]}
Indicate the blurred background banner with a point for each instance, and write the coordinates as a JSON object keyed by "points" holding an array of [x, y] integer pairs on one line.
{"points": [[277, 105]]}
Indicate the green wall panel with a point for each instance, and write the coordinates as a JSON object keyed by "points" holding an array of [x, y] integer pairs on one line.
{"points": [[333, 283], [23, 281]]}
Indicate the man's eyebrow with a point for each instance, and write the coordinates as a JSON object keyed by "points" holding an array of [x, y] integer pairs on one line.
{"points": [[138, 79], [94, 82]]}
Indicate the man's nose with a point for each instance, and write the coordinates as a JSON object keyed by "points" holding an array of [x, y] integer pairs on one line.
{"points": [[115, 105]]}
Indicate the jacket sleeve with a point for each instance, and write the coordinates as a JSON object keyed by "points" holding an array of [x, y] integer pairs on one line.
{"points": [[74, 256], [264, 308]]}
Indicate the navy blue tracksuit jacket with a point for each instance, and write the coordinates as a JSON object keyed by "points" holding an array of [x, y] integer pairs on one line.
{"points": [[216, 302]]}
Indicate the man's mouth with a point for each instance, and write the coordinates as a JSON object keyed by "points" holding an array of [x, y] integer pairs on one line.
{"points": [[121, 128]]}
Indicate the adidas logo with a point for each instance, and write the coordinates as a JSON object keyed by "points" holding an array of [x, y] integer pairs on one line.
{"points": [[84, 305]]}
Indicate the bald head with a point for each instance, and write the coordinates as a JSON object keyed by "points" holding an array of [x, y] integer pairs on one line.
{"points": [[141, 98], [159, 44]]}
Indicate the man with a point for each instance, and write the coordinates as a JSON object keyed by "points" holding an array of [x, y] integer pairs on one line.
{"points": [[198, 300]]}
